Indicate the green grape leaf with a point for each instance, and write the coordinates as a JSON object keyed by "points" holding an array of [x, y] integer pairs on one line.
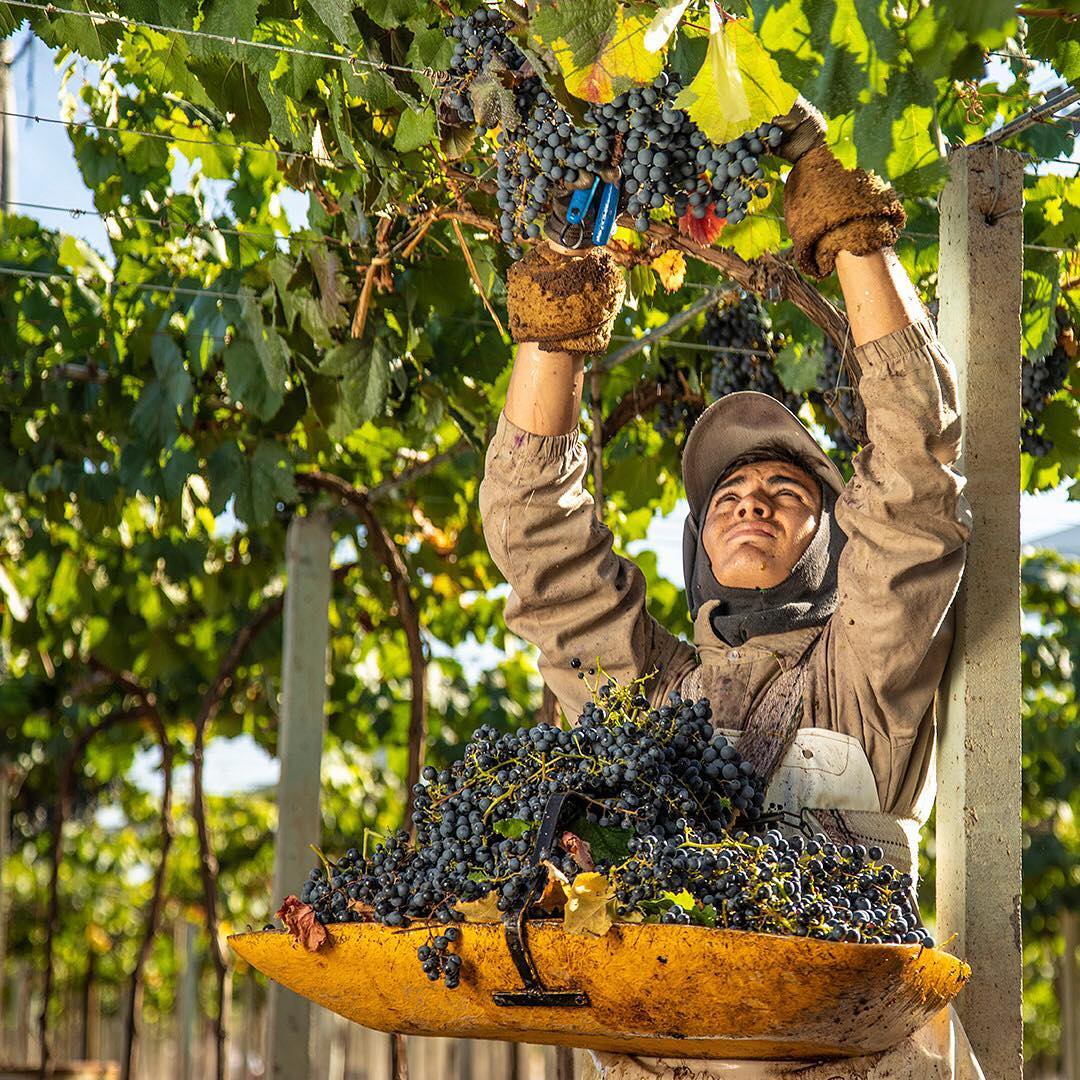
{"points": [[391, 13], [96, 40], [799, 366], [1039, 329], [257, 483], [607, 845], [739, 85], [336, 16], [513, 828], [232, 18], [362, 375], [157, 411], [893, 134], [414, 129], [752, 236], [234, 88], [271, 349], [248, 382], [430, 48], [683, 899]]}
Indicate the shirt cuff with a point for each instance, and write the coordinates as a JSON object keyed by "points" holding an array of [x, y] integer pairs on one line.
{"points": [[511, 439], [886, 353]]}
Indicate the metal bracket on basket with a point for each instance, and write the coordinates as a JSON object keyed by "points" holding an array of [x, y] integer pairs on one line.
{"points": [[533, 991]]}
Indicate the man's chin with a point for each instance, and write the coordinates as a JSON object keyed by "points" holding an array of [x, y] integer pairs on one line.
{"points": [[751, 569]]}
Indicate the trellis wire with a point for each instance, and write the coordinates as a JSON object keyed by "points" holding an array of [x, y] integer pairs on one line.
{"points": [[149, 286], [164, 221], [1029, 247], [227, 39], [700, 346]]}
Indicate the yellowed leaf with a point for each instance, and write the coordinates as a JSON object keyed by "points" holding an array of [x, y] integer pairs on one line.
{"points": [[589, 909], [486, 909], [622, 60], [670, 269], [739, 85]]}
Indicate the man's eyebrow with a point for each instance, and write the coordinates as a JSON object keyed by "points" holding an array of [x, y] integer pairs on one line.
{"points": [[787, 478], [776, 478]]}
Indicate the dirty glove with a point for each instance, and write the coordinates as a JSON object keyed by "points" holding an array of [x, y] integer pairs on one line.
{"points": [[804, 129], [565, 303], [828, 208]]}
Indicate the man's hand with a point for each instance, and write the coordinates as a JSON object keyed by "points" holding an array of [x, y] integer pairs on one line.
{"points": [[828, 208]]}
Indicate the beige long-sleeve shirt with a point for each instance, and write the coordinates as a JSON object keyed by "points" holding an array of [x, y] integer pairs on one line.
{"points": [[874, 668]]}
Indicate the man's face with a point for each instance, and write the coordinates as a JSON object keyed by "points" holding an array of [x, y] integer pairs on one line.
{"points": [[760, 521]]}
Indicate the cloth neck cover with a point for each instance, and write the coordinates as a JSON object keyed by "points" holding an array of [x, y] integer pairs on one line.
{"points": [[807, 597]]}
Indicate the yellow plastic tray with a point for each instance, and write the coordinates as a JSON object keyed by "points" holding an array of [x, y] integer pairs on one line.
{"points": [[657, 990]]}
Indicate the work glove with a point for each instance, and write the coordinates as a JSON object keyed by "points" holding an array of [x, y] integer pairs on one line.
{"points": [[566, 302], [828, 208]]}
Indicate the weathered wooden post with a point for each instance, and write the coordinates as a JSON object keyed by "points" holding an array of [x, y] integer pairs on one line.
{"points": [[300, 741], [978, 767]]}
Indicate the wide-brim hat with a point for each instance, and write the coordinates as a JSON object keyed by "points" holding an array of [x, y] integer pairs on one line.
{"points": [[735, 425]]}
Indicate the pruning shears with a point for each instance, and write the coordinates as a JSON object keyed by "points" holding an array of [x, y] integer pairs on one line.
{"points": [[606, 210]]}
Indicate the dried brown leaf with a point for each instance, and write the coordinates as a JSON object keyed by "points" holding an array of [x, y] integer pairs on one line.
{"points": [[578, 850], [332, 294], [299, 919], [366, 910]]}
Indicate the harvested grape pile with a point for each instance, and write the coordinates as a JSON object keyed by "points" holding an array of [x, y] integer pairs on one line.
{"points": [[663, 821], [640, 139], [1040, 381]]}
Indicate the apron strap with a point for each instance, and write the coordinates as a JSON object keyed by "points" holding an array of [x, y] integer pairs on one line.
{"points": [[771, 727]]}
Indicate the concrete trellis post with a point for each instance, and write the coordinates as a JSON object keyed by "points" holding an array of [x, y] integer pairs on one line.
{"points": [[300, 741], [978, 802], [188, 1005]]}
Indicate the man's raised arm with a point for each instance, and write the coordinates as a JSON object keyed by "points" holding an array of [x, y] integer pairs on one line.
{"points": [[902, 512], [572, 596]]}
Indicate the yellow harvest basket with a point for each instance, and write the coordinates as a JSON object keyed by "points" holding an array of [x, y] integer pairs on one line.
{"points": [[651, 989]]}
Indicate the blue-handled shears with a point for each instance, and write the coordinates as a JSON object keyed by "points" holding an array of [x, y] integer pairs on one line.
{"points": [[606, 212]]}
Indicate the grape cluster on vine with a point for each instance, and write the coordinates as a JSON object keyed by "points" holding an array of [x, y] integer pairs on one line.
{"points": [[680, 407], [748, 360], [641, 139], [683, 821], [1040, 380]]}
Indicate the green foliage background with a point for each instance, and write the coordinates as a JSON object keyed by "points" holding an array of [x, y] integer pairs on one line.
{"points": [[160, 400]]}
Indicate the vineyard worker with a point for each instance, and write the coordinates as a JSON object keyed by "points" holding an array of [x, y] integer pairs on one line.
{"points": [[821, 610]]}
